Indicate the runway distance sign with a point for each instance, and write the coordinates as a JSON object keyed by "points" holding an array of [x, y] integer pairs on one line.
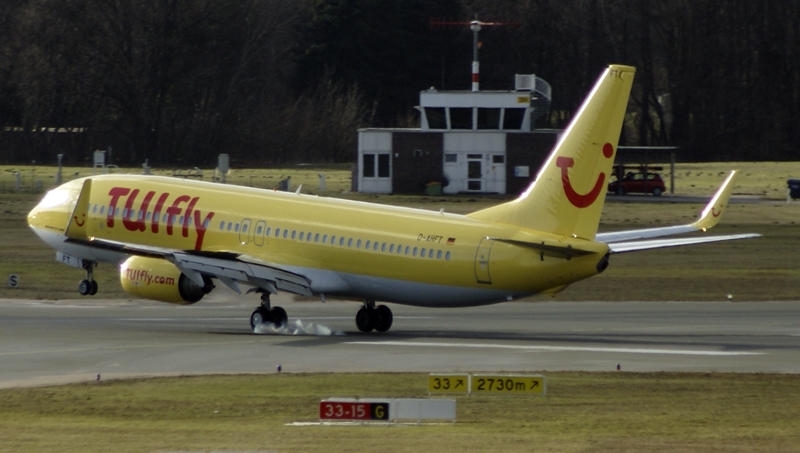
{"points": [[508, 384], [353, 410], [448, 383]]}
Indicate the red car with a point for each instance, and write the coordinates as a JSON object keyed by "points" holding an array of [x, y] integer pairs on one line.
{"points": [[636, 183]]}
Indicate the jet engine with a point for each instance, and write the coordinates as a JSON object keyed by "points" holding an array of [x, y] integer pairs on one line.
{"points": [[158, 279]]}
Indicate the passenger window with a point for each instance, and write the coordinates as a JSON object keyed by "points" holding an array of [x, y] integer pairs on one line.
{"points": [[350, 242], [230, 225], [222, 225], [325, 239], [447, 256], [181, 221], [383, 247], [302, 235], [102, 209], [414, 253], [277, 232], [407, 249], [375, 246], [422, 254], [308, 237], [236, 228], [285, 233], [294, 234], [125, 213], [244, 227], [269, 231], [148, 214], [206, 223], [430, 253], [333, 240], [341, 241], [439, 255], [391, 248], [368, 244], [358, 244], [316, 237]]}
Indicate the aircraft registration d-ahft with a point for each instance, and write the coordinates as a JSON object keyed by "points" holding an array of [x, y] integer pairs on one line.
{"points": [[172, 237]]}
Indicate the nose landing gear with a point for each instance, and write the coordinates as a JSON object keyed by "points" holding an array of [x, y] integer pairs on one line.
{"points": [[371, 318], [88, 286]]}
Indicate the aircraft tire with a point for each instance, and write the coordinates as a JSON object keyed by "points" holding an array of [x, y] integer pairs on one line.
{"points": [[94, 288], [260, 316], [279, 316], [85, 287], [385, 318], [366, 320]]}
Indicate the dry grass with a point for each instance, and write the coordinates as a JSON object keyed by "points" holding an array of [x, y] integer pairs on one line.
{"points": [[581, 412]]}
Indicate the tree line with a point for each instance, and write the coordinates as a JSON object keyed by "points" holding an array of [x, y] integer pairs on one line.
{"points": [[274, 82]]}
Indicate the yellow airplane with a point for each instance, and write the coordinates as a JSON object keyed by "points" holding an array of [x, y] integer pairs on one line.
{"points": [[172, 237]]}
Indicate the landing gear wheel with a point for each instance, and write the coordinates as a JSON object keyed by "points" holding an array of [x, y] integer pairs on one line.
{"points": [[279, 316], [260, 316], [366, 319], [94, 288], [385, 318], [85, 287]]}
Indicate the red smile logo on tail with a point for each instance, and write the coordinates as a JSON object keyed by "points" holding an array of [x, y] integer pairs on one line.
{"points": [[578, 200]]}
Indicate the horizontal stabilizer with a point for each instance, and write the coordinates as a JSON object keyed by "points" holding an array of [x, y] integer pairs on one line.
{"points": [[633, 246], [708, 218], [556, 251]]}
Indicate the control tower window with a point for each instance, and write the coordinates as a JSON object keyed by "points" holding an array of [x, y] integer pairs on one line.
{"points": [[488, 118], [460, 118], [513, 119], [436, 117]]}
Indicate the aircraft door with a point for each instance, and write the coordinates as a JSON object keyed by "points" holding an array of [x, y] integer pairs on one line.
{"points": [[482, 261], [244, 233]]}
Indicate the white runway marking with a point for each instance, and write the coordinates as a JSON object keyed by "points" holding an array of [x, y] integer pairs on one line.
{"points": [[557, 348]]}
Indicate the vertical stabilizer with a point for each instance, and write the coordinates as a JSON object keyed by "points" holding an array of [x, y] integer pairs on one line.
{"points": [[567, 196]]}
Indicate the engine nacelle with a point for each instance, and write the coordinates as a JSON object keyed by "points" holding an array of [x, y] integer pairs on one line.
{"points": [[158, 279]]}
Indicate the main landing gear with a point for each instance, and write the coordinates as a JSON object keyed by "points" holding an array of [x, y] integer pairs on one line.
{"points": [[371, 318], [264, 314], [88, 286]]}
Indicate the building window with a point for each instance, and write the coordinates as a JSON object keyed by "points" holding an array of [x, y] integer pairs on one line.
{"points": [[436, 117], [498, 159], [384, 166], [488, 118], [368, 169], [512, 120], [451, 158], [460, 118]]}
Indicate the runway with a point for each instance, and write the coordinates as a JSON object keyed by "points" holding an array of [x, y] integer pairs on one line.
{"points": [[51, 342]]}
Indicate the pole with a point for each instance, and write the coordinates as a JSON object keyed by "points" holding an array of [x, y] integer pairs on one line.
{"points": [[475, 26]]}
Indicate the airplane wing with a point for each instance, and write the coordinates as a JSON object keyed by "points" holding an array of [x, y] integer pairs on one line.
{"points": [[232, 269], [630, 240]]}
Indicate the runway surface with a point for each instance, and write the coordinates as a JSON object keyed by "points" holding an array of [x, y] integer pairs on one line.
{"points": [[44, 342]]}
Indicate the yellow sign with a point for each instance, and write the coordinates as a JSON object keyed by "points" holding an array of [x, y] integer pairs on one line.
{"points": [[486, 383], [448, 383]]}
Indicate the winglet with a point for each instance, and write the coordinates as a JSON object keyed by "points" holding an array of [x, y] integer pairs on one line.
{"points": [[711, 214], [76, 228]]}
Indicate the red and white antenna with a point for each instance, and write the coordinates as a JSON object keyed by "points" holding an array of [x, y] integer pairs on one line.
{"points": [[475, 26]]}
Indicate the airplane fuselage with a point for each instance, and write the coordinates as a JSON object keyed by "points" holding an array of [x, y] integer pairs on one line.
{"points": [[347, 249]]}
